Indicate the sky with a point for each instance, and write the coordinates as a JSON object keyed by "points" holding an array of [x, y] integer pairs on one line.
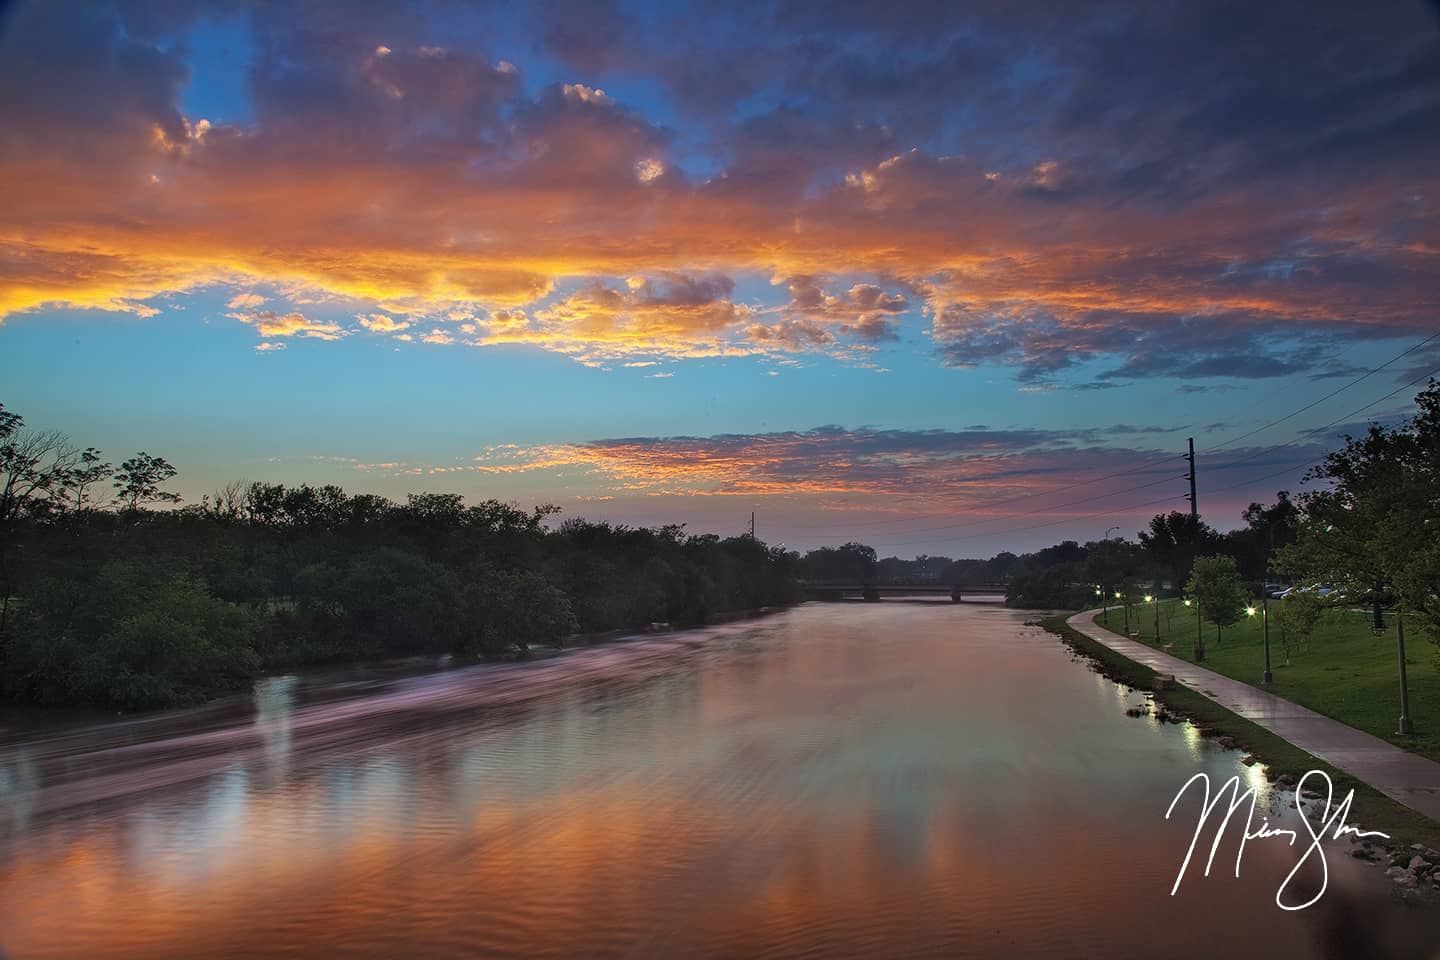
{"points": [[947, 278]]}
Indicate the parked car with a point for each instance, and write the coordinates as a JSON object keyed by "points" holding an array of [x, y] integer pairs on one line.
{"points": [[1318, 589]]}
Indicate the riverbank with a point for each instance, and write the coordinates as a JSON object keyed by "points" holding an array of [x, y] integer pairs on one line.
{"points": [[1342, 670], [1284, 762]]}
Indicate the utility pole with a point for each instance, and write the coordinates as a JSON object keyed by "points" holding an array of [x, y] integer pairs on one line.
{"points": [[1268, 677], [1194, 509], [1405, 725], [752, 524], [1104, 588]]}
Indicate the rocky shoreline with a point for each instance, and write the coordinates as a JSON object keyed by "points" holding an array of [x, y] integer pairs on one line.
{"points": [[1413, 867]]}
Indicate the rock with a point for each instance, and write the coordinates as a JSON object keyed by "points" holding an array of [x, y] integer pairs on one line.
{"points": [[1402, 877], [1419, 865], [1286, 780], [1227, 742], [1248, 760]]}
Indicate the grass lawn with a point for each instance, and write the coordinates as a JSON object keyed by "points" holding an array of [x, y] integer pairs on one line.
{"points": [[1344, 672]]}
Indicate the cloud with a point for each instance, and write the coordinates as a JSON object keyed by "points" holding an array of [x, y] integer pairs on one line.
{"points": [[965, 467], [864, 311], [1247, 211], [672, 315], [380, 323], [269, 323]]}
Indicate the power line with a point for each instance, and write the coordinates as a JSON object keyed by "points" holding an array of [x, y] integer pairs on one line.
{"points": [[1024, 496], [890, 544], [1137, 468], [1037, 526], [1340, 419], [1333, 393], [1025, 513]]}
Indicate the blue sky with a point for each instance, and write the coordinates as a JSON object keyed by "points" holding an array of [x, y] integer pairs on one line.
{"points": [[632, 258]]}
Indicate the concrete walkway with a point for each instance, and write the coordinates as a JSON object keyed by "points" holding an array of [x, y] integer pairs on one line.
{"points": [[1399, 774]]}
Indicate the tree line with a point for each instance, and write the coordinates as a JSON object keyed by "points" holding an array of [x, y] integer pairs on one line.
{"points": [[1367, 533], [113, 594]]}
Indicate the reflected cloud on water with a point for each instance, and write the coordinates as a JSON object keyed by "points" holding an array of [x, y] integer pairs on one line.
{"points": [[852, 782]]}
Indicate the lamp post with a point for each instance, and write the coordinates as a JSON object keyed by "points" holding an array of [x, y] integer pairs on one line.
{"points": [[1199, 636], [1405, 725], [1124, 600], [1156, 600], [1268, 677], [1104, 591]]}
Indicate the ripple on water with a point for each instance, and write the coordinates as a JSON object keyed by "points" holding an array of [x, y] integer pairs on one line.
{"points": [[836, 781]]}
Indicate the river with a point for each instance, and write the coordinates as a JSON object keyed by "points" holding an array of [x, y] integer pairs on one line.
{"points": [[900, 779]]}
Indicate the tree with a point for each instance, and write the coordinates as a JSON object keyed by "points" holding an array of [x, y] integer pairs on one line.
{"points": [[1267, 530], [136, 636], [1296, 615], [33, 467], [853, 562], [1373, 533], [33, 470], [1175, 539], [84, 475], [138, 481], [1215, 586]]}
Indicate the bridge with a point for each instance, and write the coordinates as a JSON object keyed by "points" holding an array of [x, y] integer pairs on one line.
{"points": [[872, 592]]}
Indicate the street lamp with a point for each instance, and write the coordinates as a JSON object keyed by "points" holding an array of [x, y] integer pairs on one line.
{"points": [[1104, 593], [1118, 595], [1405, 725], [1268, 677], [1156, 600], [1199, 637]]}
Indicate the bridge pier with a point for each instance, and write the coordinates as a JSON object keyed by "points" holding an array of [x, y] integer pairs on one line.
{"points": [[870, 595], [955, 596]]}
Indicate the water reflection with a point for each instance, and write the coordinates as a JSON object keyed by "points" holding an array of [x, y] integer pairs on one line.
{"points": [[19, 784], [274, 708], [885, 780]]}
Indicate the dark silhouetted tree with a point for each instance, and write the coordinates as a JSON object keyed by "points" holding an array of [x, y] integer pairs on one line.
{"points": [[138, 482]]}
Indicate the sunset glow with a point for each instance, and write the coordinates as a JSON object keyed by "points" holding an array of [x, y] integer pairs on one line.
{"points": [[895, 263]]}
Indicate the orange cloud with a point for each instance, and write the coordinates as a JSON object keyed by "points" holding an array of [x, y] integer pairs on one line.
{"points": [[380, 323], [269, 323], [421, 183]]}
